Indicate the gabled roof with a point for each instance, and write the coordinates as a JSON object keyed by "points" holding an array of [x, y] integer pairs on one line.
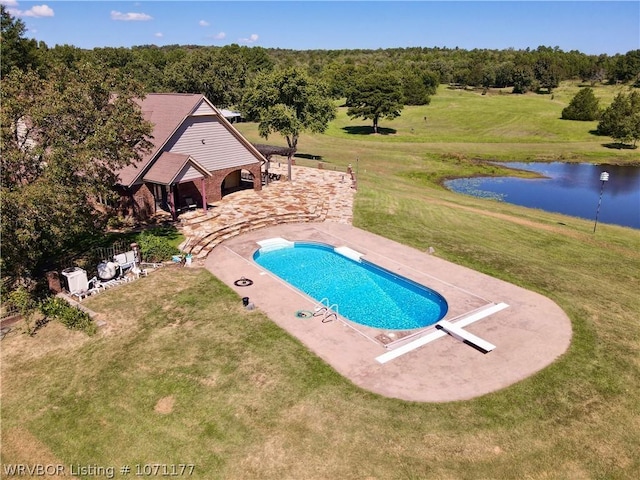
{"points": [[167, 112], [166, 169]]}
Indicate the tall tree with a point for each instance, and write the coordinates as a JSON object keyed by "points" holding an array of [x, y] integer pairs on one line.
{"points": [[626, 67], [220, 75], [418, 85], [523, 79], [62, 138], [547, 72], [17, 51], [375, 96], [289, 102], [621, 120]]}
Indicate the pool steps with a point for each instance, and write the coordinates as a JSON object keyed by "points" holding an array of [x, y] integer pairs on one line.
{"points": [[202, 241], [276, 243], [419, 342]]}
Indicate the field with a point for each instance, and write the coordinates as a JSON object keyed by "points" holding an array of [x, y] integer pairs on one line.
{"points": [[184, 375]]}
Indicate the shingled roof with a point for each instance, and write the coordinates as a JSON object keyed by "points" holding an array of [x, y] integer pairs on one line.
{"points": [[169, 166], [166, 117]]}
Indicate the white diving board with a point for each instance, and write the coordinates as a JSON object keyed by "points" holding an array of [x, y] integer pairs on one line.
{"points": [[465, 337], [406, 348], [349, 253]]}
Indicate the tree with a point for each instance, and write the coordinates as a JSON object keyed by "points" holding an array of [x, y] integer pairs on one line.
{"points": [[339, 76], [375, 96], [418, 86], [17, 51], [546, 69], [62, 139], [220, 75], [626, 68], [621, 120], [289, 102], [583, 106], [523, 79]]}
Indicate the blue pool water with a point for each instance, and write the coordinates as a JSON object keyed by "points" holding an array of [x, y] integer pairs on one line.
{"points": [[365, 293]]}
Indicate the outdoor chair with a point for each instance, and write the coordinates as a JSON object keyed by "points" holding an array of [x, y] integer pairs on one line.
{"points": [[189, 204]]}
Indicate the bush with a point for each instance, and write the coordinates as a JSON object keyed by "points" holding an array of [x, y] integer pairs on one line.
{"points": [[26, 305], [583, 106], [71, 317], [155, 246]]}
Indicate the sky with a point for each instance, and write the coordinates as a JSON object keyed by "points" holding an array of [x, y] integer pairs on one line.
{"points": [[591, 27]]}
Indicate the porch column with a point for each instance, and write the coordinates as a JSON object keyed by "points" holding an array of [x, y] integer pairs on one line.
{"points": [[203, 187], [266, 170], [172, 203]]}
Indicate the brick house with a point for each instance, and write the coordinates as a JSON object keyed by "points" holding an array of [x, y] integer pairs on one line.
{"points": [[197, 158]]}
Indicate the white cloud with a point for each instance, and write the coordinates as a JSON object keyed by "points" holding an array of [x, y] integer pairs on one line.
{"points": [[130, 17], [218, 36], [252, 38], [35, 11], [158, 34], [39, 11], [203, 23]]}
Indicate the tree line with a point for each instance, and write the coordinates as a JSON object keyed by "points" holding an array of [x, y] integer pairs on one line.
{"points": [[225, 74]]}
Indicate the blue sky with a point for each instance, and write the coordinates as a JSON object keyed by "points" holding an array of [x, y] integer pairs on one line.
{"points": [[592, 27]]}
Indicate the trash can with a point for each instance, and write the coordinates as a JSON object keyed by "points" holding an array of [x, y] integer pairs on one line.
{"points": [[245, 301]]}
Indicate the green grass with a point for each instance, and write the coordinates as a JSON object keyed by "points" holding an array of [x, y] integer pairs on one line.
{"points": [[243, 399], [494, 126]]}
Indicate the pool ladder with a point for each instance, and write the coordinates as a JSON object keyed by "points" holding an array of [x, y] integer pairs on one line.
{"points": [[328, 312]]}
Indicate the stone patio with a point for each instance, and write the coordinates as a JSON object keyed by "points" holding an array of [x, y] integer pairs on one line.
{"points": [[313, 195]]}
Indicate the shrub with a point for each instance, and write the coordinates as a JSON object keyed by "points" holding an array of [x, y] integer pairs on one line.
{"points": [[155, 246], [26, 305], [71, 317], [583, 106]]}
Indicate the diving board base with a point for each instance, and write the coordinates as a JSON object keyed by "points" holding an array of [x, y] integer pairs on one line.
{"points": [[465, 337], [463, 322]]}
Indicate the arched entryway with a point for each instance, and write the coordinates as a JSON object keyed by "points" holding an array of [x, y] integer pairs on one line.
{"points": [[237, 180]]}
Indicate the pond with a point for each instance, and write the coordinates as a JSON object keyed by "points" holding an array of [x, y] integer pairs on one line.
{"points": [[568, 188]]}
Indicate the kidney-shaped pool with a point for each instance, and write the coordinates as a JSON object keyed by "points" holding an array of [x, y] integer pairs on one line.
{"points": [[364, 292]]}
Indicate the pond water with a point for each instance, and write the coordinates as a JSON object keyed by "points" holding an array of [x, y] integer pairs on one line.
{"points": [[569, 188]]}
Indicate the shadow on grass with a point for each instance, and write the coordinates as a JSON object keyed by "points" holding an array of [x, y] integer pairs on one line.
{"points": [[613, 145], [368, 130], [619, 146], [308, 156]]}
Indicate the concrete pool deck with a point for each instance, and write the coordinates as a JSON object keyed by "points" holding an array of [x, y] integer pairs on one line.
{"points": [[529, 334]]}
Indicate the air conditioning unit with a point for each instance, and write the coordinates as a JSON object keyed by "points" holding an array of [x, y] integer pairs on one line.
{"points": [[74, 280]]}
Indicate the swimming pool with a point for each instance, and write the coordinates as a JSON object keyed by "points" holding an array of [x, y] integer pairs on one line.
{"points": [[365, 293]]}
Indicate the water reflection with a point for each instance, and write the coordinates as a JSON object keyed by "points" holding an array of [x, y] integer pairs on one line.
{"points": [[569, 188]]}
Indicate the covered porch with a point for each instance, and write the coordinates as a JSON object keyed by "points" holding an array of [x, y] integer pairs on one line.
{"points": [[178, 183]]}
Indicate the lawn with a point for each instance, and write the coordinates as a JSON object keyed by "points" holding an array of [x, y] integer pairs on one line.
{"points": [[183, 374]]}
